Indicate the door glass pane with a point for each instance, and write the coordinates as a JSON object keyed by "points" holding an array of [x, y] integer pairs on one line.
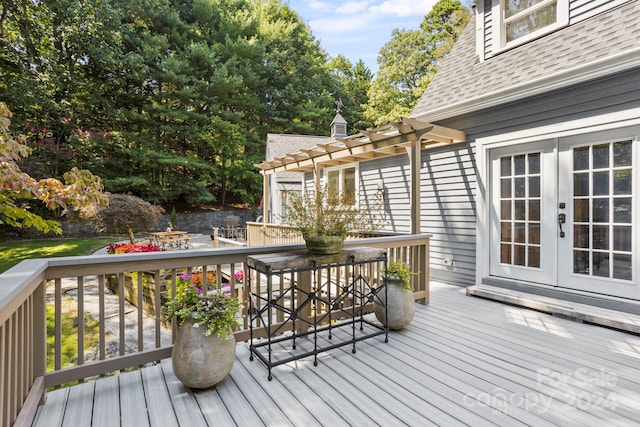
{"points": [[580, 158], [519, 187], [581, 262], [505, 210], [534, 256], [601, 183], [581, 184], [581, 236], [505, 166], [622, 153], [519, 232], [600, 237], [622, 210], [505, 188], [519, 255], [505, 254], [601, 156], [505, 231], [519, 210], [534, 163], [600, 210], [622, 238], [622, 182], [603, 217], [534, 234], [622, 267], [581, 210], [534, 210], [519, 164], [600, 265], [534, 186]]}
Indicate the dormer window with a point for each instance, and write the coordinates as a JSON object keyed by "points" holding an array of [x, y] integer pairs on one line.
{"points": [[524, 20]]}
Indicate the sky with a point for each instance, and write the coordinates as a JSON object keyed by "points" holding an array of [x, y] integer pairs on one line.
{"points": [[358, 29]]}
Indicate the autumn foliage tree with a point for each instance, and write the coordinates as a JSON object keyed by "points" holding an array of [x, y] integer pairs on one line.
{"points": [[81, 191]]}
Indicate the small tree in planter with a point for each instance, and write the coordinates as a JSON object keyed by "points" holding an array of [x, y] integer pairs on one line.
{"points": [[325, 217], [205, 349], [397, 297]]}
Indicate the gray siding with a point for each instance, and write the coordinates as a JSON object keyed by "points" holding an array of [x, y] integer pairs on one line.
{"points": [[583, 9], [488, 28], [578, 10], [448, 211], [608, 95], [395, 173]]}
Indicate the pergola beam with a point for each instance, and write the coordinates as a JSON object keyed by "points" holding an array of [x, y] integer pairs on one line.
{"points": [[386, 140]]}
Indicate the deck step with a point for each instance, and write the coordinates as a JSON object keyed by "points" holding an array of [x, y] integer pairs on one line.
{"points": [[571, 310]]}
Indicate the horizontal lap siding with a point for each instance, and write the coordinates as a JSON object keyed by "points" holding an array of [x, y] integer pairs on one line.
{"points": [[395, 173], [583, 9], [448, 211]]}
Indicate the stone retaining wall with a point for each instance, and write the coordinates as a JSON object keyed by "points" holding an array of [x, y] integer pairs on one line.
{"points": [[193, 222]]}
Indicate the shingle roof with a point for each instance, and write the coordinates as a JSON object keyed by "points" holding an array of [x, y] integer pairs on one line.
{"points": [[279, 145], [462, 77]]}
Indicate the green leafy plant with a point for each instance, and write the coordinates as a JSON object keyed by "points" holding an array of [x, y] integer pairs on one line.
{"points": [[215, 313], [327, 213], [173, 219], [400, 270]]}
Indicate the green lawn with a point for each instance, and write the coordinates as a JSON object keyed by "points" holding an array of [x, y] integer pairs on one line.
{"points": [[11, 253]]}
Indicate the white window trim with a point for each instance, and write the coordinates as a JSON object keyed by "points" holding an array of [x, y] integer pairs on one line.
{"points": [[499, 43]]}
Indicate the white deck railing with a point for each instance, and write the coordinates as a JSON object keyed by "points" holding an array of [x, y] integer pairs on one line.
{"points": [[39, 292]]}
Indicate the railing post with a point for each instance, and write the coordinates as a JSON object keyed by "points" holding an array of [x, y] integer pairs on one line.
{"points": [[216, 238], [40, 333]]}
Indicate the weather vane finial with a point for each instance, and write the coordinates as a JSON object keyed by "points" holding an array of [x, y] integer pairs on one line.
{"points": [[339, 105]]}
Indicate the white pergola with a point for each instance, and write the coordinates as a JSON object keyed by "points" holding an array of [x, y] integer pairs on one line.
{"points": [[407, 135]]}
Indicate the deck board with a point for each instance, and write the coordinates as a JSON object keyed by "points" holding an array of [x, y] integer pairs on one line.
{"points": [[462, 361], [105, 401]]}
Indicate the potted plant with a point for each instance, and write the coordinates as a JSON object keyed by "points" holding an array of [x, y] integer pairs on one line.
{"points": [[397, 297], [324, 218], [205, 348]]}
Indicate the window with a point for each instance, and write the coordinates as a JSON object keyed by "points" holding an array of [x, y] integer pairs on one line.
{"points": [[523, 20], [342, 180]]}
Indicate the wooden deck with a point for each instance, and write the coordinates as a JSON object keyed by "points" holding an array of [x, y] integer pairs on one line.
{"points": [[463, 361]]}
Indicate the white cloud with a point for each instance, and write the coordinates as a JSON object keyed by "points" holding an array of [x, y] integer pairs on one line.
{"points": [[403, 8], [353, 7], [318, 5]]}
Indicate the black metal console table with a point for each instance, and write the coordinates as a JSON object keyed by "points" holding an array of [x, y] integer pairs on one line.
{"points": [[295, 295]]}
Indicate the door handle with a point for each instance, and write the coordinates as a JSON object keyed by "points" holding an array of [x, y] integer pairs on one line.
{"points": [[562, 218]]}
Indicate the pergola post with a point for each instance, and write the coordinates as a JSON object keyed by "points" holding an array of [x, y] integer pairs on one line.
{"points": [[416, 163], [265, 197]]}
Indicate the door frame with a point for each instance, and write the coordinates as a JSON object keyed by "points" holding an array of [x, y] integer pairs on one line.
{"points": [[483, 145]]}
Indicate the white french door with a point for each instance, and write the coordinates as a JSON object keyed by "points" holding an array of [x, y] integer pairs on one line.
{"points": [[565, 212], [522, 217]]}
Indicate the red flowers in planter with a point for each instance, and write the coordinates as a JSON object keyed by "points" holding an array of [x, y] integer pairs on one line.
{"points": [[128, 248]]}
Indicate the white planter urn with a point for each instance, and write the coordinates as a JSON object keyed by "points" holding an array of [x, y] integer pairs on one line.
{"points": [[401, 306], [201, 361]]}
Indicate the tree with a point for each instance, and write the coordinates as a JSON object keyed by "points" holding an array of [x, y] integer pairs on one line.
{"points": [[126, 214], [352, 84], [408, 62], [80, 191], [168, 100]]}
